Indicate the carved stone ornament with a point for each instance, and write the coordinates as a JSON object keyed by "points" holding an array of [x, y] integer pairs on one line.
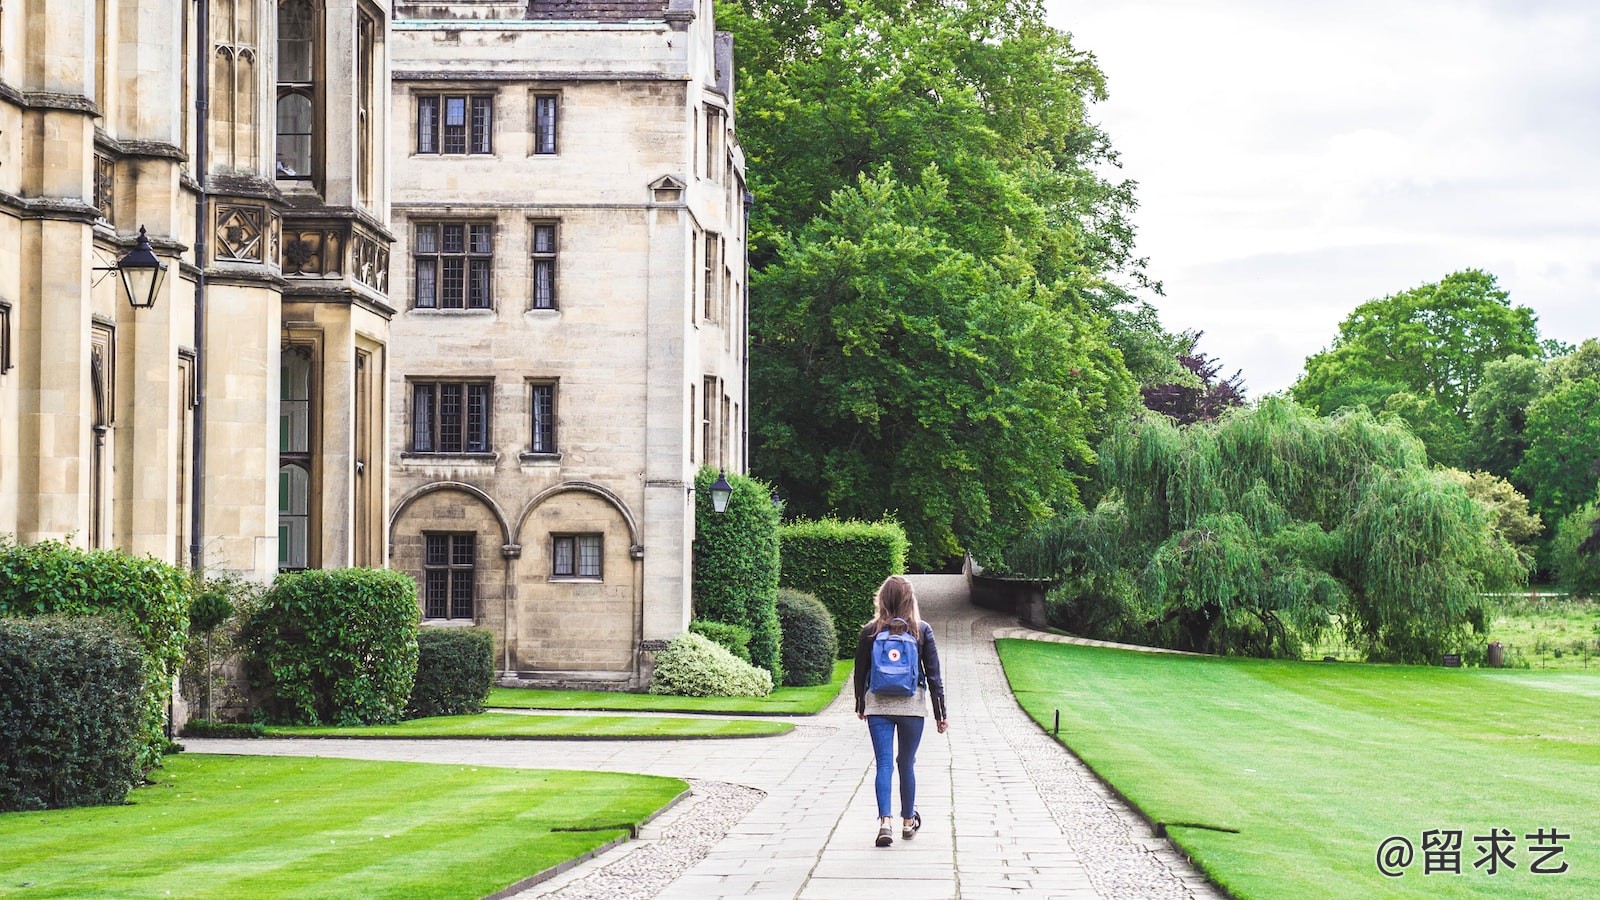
{"points": [[240, 235], [105, 185]]}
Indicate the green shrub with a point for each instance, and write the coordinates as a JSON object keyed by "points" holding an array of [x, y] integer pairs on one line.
{"points": [[736, 564], [335, 646], [693, 666], [71, 712], [810, 644], [455, 670], [733, 638], [209, 728], [149, 597], [842, 563]]}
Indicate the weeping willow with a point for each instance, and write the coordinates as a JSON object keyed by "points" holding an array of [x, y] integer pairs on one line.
{"points": [[1253, 533]]}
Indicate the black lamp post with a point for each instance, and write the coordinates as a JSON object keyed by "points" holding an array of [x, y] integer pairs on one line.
{"points": [[141, 273], [720, 492]]}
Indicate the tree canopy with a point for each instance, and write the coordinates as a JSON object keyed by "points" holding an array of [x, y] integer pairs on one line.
{"points": [[1434, 340], [1203, 397], [942, 308], [1253, 533]]}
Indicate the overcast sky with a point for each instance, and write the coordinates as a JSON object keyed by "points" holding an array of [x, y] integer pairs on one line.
{"points": [[1296, 159]]}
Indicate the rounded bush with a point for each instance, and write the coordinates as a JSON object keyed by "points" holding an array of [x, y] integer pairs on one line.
{"points": [[71, 713], [733, 638], [335, 646], [693, 666], [810, 644], [455, 669]]}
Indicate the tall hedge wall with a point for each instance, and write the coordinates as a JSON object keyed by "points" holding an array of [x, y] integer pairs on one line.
{"points": [[736, 564], [335, 646], [71, 712], [842, 563], [149, 597]]}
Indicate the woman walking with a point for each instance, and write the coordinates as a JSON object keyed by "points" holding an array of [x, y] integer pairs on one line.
{"points": [[897, 670]]}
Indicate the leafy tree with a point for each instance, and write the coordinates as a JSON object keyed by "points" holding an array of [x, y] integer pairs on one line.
{"points": [[1203, 397], [934, 388], [1435, 340], [1517, 524], [1497, 413], [1562, 463], [1576, 550], [1440, 431], [1253, 533]]}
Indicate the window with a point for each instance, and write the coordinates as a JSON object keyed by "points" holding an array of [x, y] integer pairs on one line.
{"points": [[5, 337], [450, 417], [297, 52], [455, 123], [294, 516], [713, 265], [448, 575], [294, 458], [544, 418], [544, 123], [714, 134], [575, 556], [454, 265], [366, 41], [708, 419], [544, 265]]}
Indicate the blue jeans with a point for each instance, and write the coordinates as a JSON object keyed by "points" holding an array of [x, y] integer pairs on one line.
{"points": [[883, 730]]}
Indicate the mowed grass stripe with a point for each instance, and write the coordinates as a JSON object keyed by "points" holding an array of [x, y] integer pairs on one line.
{"points": [[220, 826], [1316, 763], [512, 726]]}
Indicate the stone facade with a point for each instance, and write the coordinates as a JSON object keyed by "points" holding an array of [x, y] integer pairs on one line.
{"points": [[272, 217], [568, 348]]}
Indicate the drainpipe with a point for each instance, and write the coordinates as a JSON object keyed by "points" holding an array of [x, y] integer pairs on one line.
{"points": [[202, 139]]}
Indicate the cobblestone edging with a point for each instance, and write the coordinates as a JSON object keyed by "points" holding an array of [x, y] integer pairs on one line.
{"points": [[1124, 857], [665, 849]]}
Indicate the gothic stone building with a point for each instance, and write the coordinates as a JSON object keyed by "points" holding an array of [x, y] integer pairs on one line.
{"points": [[569, 343], [249, 139]]}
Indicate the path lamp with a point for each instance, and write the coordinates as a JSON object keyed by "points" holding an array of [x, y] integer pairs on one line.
{"points": [[141, 273], [720, 492]]}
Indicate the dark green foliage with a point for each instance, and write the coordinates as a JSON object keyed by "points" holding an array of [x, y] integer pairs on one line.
{"points": [[736, 564], [335, 647], [455, 670], [733, 638], [1252, 534], [149, 597], [810, 644], [210, 609], [208, 728], [1498, 414], [1562, 464], [71, 712], [1576, 551], [693, 666], [842, 563]]}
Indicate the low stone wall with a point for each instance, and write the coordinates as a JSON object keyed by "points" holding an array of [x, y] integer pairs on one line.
{"points": [[1023, 598]]}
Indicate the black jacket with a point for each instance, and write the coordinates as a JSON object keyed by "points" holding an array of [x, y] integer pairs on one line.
{"points": [[927, 655]]}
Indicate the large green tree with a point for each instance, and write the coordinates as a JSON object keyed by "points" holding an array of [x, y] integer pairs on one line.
{"points": [[905, 374], [942, 308], [1562, 464], [1434, 341], [1254, 533]]}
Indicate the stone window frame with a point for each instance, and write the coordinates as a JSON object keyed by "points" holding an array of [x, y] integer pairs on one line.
{"points": [[474, 259], [542, 417], [544, 268], [569, 560], [435, 138], [6, 363], [433, 420], [448, 575], [544, 119]]}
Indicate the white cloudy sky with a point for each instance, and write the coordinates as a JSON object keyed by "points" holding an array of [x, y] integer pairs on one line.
{"points": [[1297, 158]]}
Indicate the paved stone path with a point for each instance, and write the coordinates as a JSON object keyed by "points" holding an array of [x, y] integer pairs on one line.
{"points": [[1007, 812]]}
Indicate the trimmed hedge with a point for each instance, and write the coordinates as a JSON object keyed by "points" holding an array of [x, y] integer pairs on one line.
{"points": [[71, 712], [693, 666], [455, 670], [210, 728], [809, 642], [842, 563], [148, 597], [736, 564], [335, 646], [733, 638]]}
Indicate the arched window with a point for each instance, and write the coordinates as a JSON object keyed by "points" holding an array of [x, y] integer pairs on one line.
{"points": [[297, 99]]}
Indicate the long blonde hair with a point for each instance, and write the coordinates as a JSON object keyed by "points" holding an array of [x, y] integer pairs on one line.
{"points": [[896, 600]]}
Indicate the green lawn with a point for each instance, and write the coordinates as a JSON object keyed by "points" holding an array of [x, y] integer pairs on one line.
{"points": [[512, 726], [784, 701], [1315, 764], [261, 827]]}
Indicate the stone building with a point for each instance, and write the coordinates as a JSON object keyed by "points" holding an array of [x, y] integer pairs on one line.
{"points": [[568, 347], [250, 141]]}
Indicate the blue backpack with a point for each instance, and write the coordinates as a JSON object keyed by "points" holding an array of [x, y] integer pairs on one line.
{"points": [[896, 670]]}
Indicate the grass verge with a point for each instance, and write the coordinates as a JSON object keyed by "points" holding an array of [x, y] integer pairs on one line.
{"points": [[786, 701], [511, 726], [1315, 765], [263, 827]]}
